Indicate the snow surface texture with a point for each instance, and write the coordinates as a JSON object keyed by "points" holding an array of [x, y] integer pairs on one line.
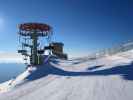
{"points": [[106, 78]]}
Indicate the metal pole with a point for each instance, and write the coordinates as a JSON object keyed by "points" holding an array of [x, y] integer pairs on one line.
{"points": [[34, 48]]}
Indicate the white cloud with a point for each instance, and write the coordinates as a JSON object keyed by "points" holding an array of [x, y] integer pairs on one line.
{"points": [[8, 57]]}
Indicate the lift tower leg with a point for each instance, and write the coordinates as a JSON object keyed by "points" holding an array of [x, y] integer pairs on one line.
{"points": [[34, 58]]}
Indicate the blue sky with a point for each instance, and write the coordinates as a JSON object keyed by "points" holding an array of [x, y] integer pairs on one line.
{"points": [[83, 25]]}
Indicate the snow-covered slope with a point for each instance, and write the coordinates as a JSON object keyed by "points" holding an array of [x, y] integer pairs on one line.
{"points": [[106, 78]]}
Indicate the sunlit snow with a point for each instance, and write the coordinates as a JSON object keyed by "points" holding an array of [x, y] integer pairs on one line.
{"points": [[105, 78]]}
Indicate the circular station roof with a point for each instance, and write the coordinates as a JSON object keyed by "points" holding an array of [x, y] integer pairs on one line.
{"points": [[26, 29], [34, 26]]}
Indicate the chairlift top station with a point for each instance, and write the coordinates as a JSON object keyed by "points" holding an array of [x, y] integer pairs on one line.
{"points": [[29, 34]]}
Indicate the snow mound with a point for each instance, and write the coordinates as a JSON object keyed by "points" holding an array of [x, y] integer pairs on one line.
{"points": [[106, 78]]}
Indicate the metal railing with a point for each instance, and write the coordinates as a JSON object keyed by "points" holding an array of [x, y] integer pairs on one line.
{"points": [[114, 50]]}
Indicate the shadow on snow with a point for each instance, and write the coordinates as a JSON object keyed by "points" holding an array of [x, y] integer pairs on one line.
{"points": [[95, 67], [126, 71]]}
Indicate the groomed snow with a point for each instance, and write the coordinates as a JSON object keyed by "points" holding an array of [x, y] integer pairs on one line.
{"points": [[106, 78]]}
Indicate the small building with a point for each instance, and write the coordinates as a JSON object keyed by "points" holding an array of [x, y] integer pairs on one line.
{"points": [[57, 50]]}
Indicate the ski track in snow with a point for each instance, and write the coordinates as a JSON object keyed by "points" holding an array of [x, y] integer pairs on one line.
{"points": [[63, 84]]}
